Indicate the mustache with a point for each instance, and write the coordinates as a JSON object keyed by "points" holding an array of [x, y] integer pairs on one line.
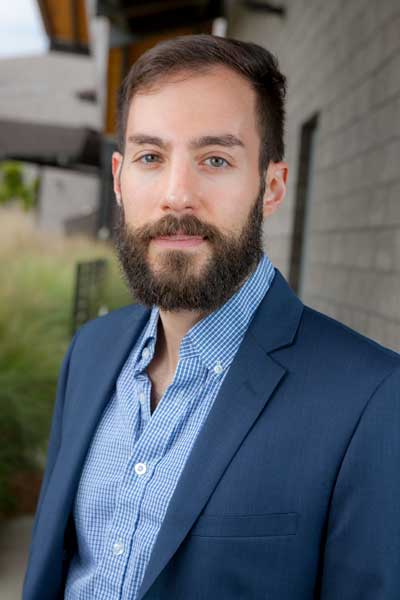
{"points": [[171, 225]]}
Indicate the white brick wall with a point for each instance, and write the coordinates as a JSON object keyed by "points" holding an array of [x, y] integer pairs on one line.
{"points": [[342, 59]]}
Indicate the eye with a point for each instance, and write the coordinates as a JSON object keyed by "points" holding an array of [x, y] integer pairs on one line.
{"points": [[217, 162], [152, 158]]}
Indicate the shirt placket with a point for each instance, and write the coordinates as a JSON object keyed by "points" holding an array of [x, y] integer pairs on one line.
{"points": [[121, 531], [172, 403]]}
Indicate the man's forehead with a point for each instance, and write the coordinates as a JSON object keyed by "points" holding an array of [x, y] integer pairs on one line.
{"points": [[219, 94], [194, 112]]}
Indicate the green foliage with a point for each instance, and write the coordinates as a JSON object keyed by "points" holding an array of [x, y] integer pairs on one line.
{"points": [[14, 188], [36, 294], [11, 451]]}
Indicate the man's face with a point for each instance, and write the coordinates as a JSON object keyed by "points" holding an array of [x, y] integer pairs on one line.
{"points": [[192, 200]]}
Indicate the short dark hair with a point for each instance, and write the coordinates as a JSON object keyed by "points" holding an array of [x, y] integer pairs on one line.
{"points": [[198, 53]]}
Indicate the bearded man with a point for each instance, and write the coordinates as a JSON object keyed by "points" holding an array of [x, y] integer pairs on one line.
{"points": [[219, 439]]}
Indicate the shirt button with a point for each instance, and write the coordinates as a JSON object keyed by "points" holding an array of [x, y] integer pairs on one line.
{"points": [[118, 548], [145, 353], [142, 397], [140, 468], [218, 368]]}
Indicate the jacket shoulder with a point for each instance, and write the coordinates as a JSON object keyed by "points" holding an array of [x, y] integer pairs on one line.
{"points": [[113, 321], [339, 339]]}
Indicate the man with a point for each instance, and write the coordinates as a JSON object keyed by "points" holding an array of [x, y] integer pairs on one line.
{"points": [[220, 440]]}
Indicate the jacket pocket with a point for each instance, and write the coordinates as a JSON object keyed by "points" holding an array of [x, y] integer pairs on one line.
{"points": [[271, 524]]}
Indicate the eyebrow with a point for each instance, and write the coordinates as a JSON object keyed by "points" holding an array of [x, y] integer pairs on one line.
{"points": [[226, 140]]}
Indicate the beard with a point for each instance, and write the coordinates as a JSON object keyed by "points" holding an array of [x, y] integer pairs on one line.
{"points": [[176, 283]]}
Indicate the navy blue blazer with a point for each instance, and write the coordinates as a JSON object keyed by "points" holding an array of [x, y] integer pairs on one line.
{"points": [[292, 488]]}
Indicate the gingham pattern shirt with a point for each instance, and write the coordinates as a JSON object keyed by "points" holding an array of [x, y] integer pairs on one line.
{"points": [[136, 458]]}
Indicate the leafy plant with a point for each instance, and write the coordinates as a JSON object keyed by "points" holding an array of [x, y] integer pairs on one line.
{"points": [[14, 187], [37, 274]]}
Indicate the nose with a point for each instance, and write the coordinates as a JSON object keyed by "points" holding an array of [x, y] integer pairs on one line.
{"points": [[180, 193]]}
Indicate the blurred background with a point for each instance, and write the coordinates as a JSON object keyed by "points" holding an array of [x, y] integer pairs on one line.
{"points": [[336, 237]]}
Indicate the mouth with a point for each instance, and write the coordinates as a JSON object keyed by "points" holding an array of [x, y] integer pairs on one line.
{"points": [[179, 241]]}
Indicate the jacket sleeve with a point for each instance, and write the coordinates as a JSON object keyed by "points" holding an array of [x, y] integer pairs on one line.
{"points": [[361, 558]]}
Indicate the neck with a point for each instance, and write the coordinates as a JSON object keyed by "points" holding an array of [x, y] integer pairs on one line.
{"points": [[173, 327]]}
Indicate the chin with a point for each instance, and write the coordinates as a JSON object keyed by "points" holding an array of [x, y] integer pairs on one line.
{"points": [[177, 259]]}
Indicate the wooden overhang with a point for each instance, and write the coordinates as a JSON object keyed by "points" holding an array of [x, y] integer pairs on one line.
{"points": [[66, 24]]}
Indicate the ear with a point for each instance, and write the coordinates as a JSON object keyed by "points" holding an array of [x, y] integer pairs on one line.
{"points": [[116, 165], [275, 188]]}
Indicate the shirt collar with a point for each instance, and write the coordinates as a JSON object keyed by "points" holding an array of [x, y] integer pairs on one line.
{"points": [[144, 349], [216, 338]]}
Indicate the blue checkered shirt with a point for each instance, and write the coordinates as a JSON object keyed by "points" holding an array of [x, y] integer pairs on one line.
{"points": [[136, 458]]}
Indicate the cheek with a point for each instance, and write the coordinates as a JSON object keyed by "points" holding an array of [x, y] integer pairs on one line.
{"points": [[231, 198], [134, 189], [139, 200], [229, 212]]}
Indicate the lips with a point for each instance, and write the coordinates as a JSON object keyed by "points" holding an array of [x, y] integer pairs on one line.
{"points": [[179, 241], [180, 238]]}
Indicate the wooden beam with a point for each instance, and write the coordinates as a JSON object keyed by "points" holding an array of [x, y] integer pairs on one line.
{"points": [[44, 12], [114, 79], [65, 22]]}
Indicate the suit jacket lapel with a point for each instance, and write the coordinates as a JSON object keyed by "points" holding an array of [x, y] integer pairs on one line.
{"points": [[252, 378]]}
